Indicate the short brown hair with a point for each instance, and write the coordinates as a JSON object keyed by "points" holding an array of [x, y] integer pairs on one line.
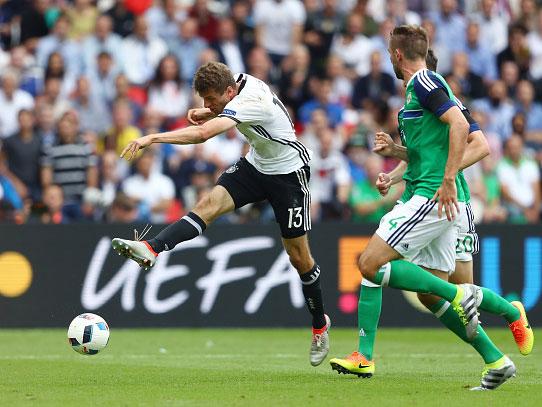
{"points": [[213, 76], [411, 39]]}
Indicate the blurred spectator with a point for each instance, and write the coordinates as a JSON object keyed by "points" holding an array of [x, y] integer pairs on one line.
{"points": [[188, 48], [510, 77], [353, 47], [240, 13], [321, 89], [380, 44], [365, 200], [399, 13], [260, 65], [330, 180], [493, 26], [55, 68], [519, 178], [294, 79], [12, 100], [164, 20], [33, 25], [69, 163], [45, 124], [82, 15], [481, 60], [167, 93], [109, 177], [53, 200], [30, 75], [103, 79], [320, 28], [527, 14], [440, 49], [341, 85], [122, 131], [369, 23], [375, 85], [141, 53], [279, 26], [450, 26], [517, 50], [225, 149], [228, 46], [123, 91], [153, 190], [123, 20], [534, 41], [525, 104], [319, 123], [103, 40], [21, 153], [93, 114], [498, 109], [58, 41], [52, 96], [123, 209], [207, 23], [92, 209], [471, 84]]}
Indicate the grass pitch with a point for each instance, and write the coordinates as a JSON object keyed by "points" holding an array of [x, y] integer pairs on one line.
{"points": [[256, 367]]}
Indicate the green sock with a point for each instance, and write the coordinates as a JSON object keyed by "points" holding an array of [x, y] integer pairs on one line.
{"points": [[408, 276], [369, 306], [482, 344], [495, 304]]}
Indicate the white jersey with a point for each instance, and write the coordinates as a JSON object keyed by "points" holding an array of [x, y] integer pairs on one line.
{"points": [[264, 121]]}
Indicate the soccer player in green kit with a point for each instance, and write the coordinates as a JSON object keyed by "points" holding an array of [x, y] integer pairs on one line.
{"points": [[413, 230]]}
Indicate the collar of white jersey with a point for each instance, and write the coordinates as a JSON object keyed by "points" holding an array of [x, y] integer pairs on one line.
{"points": [[242, 77]]}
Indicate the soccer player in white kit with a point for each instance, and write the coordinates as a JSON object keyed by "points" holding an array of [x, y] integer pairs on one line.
{"points": [[275, 169]]}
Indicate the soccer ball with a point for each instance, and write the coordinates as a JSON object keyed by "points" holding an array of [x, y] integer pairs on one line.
{"points": [[88, 334]]}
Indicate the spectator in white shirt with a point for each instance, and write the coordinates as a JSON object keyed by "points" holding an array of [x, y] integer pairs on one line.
{"points": [[228, 46], [103, 40], [279, 26], [330, 180], [167, 93], [152, 189], [58, 41], [12, 100], [353, 47], [141, 53], [534, 39], [493, 26], [519, 178]]}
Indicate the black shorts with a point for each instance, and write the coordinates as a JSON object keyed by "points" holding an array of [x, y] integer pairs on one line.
{"points": [[288, 194]]}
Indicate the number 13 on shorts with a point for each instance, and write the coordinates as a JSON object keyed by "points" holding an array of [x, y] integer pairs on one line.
{"points": [[295, 218]]}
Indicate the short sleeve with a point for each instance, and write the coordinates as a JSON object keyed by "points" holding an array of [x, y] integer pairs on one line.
{"points": [[298, 13], [245, 109], [432, 93]]}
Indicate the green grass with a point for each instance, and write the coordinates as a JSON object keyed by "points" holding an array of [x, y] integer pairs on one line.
{"points": [[225, 367]]}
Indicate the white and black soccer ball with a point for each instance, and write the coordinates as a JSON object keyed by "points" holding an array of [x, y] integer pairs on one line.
{"points": [[88, 334]]}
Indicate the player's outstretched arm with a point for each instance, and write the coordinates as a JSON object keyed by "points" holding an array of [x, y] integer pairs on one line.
{"points": [[187, 135]]}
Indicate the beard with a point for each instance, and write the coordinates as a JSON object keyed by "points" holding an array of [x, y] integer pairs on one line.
{"points": [[398, 72]]}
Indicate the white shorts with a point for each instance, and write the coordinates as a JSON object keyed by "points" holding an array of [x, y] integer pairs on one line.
{"points": [[467, 239], [416, 232]]}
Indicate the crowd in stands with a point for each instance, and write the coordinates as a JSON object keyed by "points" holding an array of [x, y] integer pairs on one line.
{"points": [[82, 78]]}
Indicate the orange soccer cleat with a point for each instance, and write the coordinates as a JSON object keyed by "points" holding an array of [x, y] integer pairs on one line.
{"points": [[522, 331]]}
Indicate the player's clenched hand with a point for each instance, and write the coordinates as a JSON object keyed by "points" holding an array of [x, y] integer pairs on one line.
{"points": [[199, 115], [383, 144], [447, 199], [383, 183], [133, 147]]}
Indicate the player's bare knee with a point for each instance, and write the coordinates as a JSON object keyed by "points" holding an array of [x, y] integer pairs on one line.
{"points": [[366, 265]]}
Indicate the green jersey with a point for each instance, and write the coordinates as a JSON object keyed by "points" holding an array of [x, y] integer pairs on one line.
{"points": [[426, 137]]}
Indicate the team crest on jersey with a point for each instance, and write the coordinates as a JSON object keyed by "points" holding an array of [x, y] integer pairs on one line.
{"points": [[233, 168], [229, 112], [409, 97]]}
